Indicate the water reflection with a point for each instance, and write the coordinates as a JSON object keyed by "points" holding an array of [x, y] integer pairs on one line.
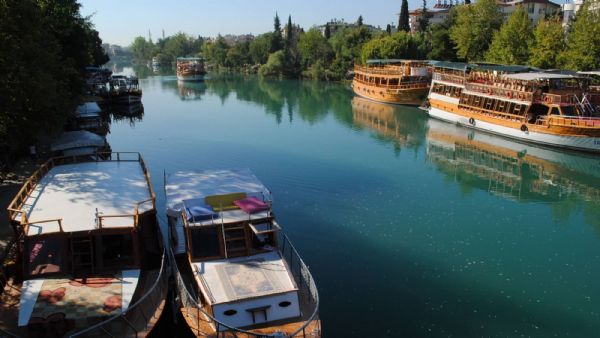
{"points": [[405, 127], [131, 113], [516, 171]]}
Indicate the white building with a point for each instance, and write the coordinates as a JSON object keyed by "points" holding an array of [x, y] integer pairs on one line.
{"points": [[536, 9], [569, 10]]}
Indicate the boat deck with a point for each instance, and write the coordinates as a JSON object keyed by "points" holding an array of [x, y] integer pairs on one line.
{"points": [[75, 192]]}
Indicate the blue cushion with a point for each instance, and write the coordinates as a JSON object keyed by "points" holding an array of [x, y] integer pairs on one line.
{"points": [[199, 212]]}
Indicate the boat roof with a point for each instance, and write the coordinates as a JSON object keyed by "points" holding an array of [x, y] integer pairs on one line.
{"points": [[186, 185], [77, 139], [75, 192], [392, 61], [231, 280], [88, 109], [537, 76], [462, 66], [502, 68], [590, 72]]}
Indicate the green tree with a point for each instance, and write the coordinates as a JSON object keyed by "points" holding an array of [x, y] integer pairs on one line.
{"points": [[424, 18], [259, 48], [238, 55], [403, 19], [359, 22], [442, 47], [314, 47], [388, 29], [511, 44], [276, 39], [583, 40], [327, 32], [474, 29], [142, 50], [549, 42], [217, 51], [275, 66], [398, 45], [347, 45]]}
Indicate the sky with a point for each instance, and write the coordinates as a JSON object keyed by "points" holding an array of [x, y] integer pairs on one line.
{"points": [[120, 21]]}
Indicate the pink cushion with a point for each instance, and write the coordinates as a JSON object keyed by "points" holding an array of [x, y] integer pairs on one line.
{"points": [[251, 205]]}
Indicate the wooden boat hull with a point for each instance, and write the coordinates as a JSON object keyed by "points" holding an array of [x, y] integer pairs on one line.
{"points": [[556, 136], [413, 97]]}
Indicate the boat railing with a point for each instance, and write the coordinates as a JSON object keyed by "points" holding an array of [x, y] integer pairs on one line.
{"points": [[495, 114], [449, 78], [141, 316], [570, 121], [558, 99], [388, 70], [15, 208], [400, 86], [500, 91], [306, 287]]}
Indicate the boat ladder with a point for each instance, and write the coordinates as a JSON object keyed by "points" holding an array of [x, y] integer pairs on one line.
{"points": [[585, 106], [82, 254]]}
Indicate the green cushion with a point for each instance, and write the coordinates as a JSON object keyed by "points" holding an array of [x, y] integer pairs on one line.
{"points": [[224, 202]]}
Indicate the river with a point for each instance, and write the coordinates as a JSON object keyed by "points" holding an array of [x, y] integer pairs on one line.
{"points": [[411, 227]]}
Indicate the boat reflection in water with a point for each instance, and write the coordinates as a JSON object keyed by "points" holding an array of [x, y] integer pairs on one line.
{"points": [[132, 113], [511, 169], [404, 126]]}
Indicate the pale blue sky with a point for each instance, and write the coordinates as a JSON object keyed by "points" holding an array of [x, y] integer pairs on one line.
{"points": [[120, 21]]}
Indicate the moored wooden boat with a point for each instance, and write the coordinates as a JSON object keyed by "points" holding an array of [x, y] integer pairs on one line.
{"points": [[393, 81], [237, 274], [544, 108], [124, 90], [190, 69], [89, 255]]}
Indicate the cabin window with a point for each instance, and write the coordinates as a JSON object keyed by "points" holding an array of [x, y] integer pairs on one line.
{"points": [[117, 251], [230, 312], [554, 111], [393, 82], [205, 242], [568, 110], [285, 303], [45, 255]]}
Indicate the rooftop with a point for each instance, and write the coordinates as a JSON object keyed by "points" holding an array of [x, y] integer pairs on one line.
{"points": [[74, 192], [536, 76]]}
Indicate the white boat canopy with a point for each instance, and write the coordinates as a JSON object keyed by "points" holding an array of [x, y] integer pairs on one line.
{"points": [[537, 76], [77, 139], [88, 109], [186, 185]]}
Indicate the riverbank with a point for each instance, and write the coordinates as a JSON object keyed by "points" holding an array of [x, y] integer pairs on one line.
{"points": [[10, 182]]}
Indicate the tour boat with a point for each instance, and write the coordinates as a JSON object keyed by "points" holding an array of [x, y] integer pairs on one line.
{"points": [[237, 274], [190, 69], [393, 81], [510, 169], [89, 254], [79, 142], [125, 90], [547, 108]]}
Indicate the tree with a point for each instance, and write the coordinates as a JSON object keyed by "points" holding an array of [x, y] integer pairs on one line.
{"points": [[474, 29], [388, 29], [511, 44], [275, 66], [142, 50], [583, 40], [403, 19], [548, 44], [238, 55], [327, 32], [359, 22], [314, 47], [217, 51], [442, 47], [276, 39], [289, 32], [424, 18], [347, 45], [400, 45], [259, 48]]}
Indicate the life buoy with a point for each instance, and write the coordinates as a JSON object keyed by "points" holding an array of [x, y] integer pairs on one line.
{"points": [[472, 121], [509, 95], [490, 91], [524, 128], [521, 96], [547, 99]]}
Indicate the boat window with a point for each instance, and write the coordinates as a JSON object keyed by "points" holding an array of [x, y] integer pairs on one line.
{"points": [[554, 111], [393, 82], [205, 242], [46, 255], [568, 110], [117, 251]]}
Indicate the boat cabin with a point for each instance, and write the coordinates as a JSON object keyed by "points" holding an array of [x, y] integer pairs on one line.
{"points": [[82, 223], [223, 223], [393, 73]]}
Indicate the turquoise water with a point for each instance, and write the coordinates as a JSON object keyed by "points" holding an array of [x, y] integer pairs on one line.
{"points": [[410, 226]]}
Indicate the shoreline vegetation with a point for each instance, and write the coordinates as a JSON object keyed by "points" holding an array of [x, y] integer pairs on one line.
{"points": [[473, 32], [45, 46]]}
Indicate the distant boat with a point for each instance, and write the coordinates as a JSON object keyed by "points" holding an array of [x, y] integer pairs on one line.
{"points": [[125, 90], [190, 69], [393, 81], [236, 273]]}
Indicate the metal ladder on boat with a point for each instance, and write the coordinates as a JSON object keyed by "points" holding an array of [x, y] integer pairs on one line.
{"points": [[585, 106], [82, 254], [234, 240]]}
